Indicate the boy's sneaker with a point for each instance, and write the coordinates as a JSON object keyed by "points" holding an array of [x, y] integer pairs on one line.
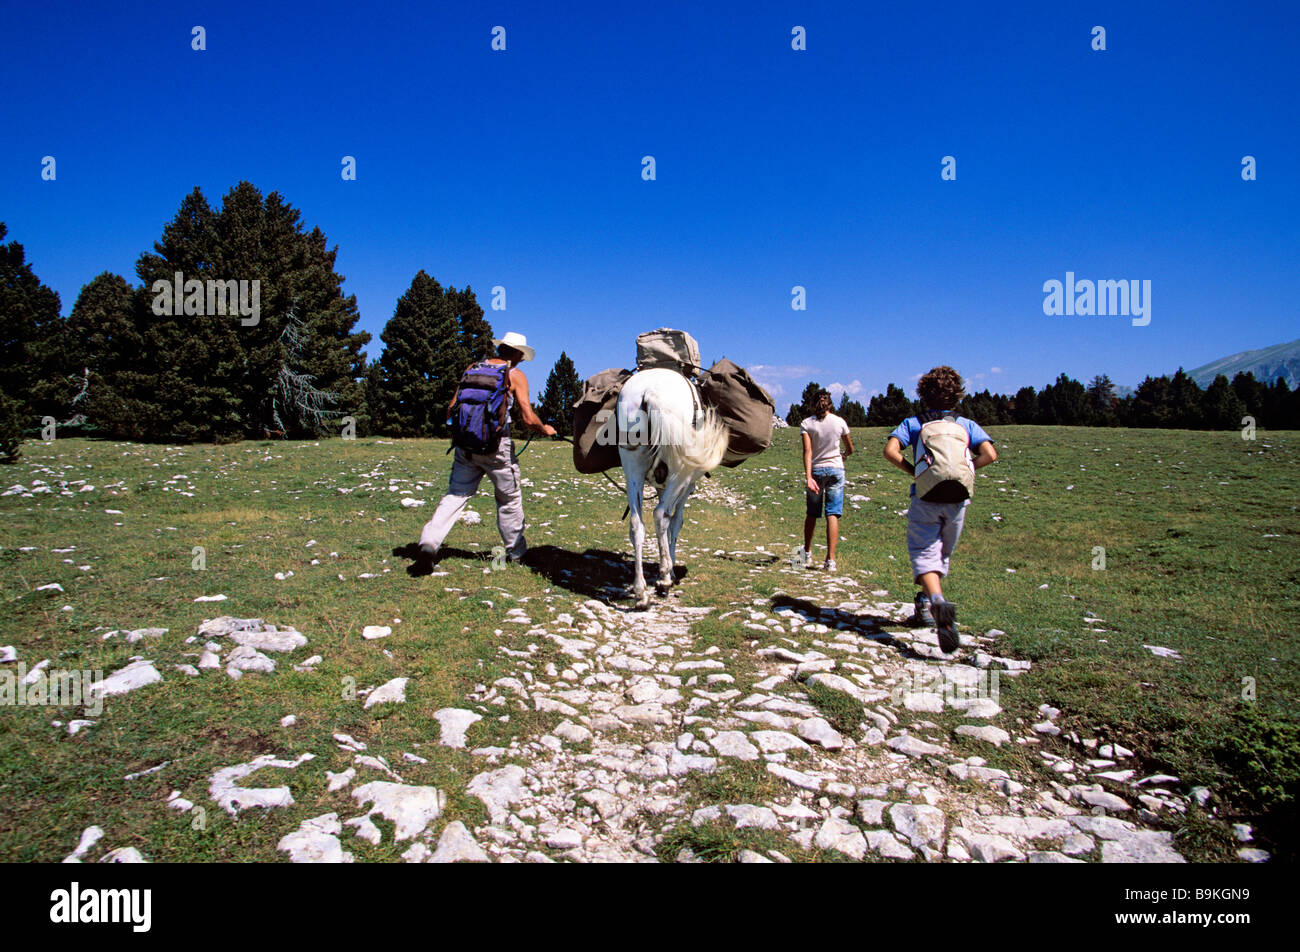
{"points": [[828, 565], [945, 622], [921, 615]]}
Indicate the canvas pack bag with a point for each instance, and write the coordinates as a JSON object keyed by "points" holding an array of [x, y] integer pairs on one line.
{"points": [[945, 472], [595, 429], [479, 417], [746, 408], [666, 347]]}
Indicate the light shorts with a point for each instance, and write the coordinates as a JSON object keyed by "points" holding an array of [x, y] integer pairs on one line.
{"points": [[831, 481], [933, 529]]}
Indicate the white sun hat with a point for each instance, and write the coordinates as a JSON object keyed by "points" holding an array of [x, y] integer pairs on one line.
{"points": [[519, 342]]}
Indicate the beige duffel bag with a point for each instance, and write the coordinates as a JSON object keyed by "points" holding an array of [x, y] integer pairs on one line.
{"points": [[665, 347]]}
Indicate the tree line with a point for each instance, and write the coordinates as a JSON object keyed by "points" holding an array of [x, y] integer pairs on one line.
{"points": [[176, 358], [1175, 402], [237, 328]]}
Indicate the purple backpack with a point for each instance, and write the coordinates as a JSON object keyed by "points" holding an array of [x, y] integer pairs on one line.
{"points": [[479, 419]]}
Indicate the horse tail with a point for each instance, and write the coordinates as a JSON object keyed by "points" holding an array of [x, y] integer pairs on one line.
{"points": [[697, 450]]}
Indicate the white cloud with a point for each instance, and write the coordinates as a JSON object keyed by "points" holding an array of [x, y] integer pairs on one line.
{"points": [[854, 389], [995, 370], [771, 376]]}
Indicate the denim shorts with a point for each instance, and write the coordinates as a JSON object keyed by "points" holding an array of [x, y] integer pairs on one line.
{"points": [[831, 481]]}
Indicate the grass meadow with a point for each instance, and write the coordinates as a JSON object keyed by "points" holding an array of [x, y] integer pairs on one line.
{"points": [[1200, 534]]}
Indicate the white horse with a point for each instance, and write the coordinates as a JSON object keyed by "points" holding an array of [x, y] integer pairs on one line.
{"points": [[669, 439]]}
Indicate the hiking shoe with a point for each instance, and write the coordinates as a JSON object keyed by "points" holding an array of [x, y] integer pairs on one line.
{"points": [[802, 559], [945, 622], [921, 615], [828, 565], [426, 557]]}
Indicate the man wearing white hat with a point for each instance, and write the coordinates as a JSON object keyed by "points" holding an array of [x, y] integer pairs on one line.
{"points": [[499, 465]]}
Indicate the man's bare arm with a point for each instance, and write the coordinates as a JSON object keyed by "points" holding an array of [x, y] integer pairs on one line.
{"points": [[519, 386]]}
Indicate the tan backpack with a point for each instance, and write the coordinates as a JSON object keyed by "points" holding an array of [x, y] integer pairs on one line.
{"points": [[945, 472]]}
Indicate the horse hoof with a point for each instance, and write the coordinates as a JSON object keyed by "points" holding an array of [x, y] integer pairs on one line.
{"points": [[662, 589]]}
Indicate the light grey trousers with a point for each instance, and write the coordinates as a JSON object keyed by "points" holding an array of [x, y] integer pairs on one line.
{"points": [[467, 471], [933, 529]]}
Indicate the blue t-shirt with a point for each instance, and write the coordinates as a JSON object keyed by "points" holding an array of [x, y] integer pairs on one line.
{"points": [[908, 433]]}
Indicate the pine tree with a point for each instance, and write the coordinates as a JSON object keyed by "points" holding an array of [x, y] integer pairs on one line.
{"points": [[98, 342], [204, 376], [806, 406], [11, 428], [1025, 406], [475, 332], [890, 408], [1151, 403], [29, 329], [1063, 403], [422, 363], [851, 411], [1185, 397], [1101, 401], [1221, 408], [562, 390], [1250, 391]]}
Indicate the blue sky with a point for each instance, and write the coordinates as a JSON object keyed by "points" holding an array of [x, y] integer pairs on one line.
{"points": [[775, 168]]}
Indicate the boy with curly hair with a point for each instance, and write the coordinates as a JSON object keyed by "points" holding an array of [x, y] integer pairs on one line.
{"points": [[936, 515]]}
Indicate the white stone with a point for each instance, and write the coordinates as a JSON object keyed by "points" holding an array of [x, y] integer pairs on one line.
{"points": [[133, 676], [245, 659], [456, 845], [773, 742], [734, 744], [316, 841], [232, 798], [919, 824], [564, 839], [987, 732], [887, 845], [371, 632], [124, 854], [842, 836], [410, 808], [454, 723], [912, 746], [392, 692], [818, 731], [89, 837], [498, 789]]}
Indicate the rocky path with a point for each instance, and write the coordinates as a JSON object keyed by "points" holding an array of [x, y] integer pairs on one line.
{"points": [[643, 709]]}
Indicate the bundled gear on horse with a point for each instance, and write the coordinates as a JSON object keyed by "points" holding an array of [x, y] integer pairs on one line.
{"points": [[745, 408]]}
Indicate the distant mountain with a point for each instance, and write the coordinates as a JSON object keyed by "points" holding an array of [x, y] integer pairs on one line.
{"points": [[1267, 364]]}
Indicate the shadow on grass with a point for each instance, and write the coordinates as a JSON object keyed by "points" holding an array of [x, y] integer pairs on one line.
{"points": [[420, 566]]}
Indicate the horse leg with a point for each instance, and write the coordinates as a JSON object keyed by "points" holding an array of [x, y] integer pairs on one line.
{"points": [[636, 529], [667, 521], [675, 528]]}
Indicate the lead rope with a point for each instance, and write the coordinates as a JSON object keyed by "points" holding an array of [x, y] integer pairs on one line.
{"points": [[609, 478]]}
